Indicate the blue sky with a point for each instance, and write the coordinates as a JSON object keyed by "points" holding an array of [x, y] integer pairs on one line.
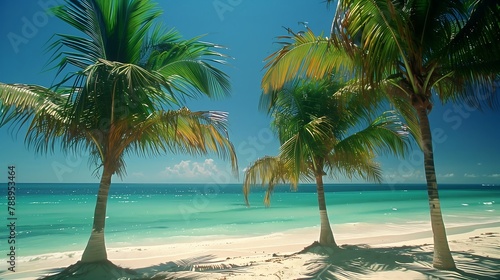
{"points": [[466, 141]]}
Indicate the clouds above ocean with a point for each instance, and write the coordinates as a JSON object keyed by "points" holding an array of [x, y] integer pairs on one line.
{"points": [[188, 169]]}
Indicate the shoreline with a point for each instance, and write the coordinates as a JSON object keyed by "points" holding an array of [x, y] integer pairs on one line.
{"points": [[256, 247]]}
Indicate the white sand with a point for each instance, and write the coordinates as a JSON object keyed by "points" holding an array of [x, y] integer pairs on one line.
{"points": [[264, 257]]}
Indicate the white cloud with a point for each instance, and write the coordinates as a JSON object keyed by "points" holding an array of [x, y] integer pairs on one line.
{"points": [[449, 175], [191, 169], [479, 163], [494, 175], [470, 175]]}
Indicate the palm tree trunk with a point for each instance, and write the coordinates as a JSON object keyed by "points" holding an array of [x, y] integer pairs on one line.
{"points": [[326, 234], [442, 255], [96, 247]]}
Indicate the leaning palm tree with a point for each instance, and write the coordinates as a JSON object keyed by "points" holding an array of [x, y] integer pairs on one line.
{"points": [[315, 121], [416, 51], [128, 74]]}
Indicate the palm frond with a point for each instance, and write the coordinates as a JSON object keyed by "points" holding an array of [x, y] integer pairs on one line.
{"points": [[42, 110], [354, 156], [113, 30], [268, 172], [470, 59], [376, 28], [400, 101], [192, 77], [188, 65], [114, 91], [353, 161], [311, 140], [473, 49], [449, 47], [180, 131], [386, 134], [86, 17], [303, 55]]}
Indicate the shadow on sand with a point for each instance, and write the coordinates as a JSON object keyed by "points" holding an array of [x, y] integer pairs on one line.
{"points": [[191, 268], [346, 262], [363, 262]]}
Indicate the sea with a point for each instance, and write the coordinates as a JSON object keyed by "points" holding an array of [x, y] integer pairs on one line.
{"points": [[58, 217]]}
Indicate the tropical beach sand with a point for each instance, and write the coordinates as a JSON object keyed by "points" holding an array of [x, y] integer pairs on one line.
{"points": [[372, 253]]}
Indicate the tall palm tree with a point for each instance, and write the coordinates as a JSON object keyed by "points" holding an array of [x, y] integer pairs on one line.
{"points": [[315, 122], [416, 51], [127, 72]]}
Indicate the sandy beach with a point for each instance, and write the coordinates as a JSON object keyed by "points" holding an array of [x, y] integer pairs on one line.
{"points": [[367, 253]]}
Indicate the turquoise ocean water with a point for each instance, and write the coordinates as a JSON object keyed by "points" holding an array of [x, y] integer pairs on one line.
{"points": [[58, 217]]}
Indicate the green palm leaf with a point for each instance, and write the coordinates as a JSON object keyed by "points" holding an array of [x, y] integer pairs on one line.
{"points": [[115, 29], [180, 62], [386, 134]]}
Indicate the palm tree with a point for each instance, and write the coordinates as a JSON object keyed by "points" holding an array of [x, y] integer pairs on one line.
{"points": [[416, 51], [128, 73], [315, 121]]}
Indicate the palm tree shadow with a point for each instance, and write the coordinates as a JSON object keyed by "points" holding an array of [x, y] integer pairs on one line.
{"points": [[96, 270], [361, 262], [189, 268]]}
